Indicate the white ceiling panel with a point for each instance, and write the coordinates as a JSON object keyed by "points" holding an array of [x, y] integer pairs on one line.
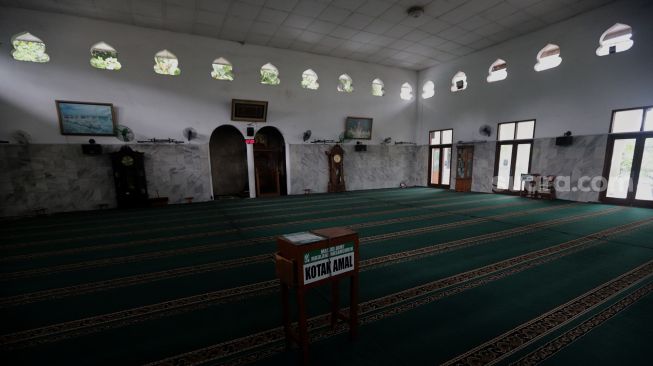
{"points": [[378, 31]]}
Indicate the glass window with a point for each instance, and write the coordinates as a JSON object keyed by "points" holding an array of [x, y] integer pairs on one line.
{"points": [[166, 63], [459, 82], [435, 138], [104, 57], [406, 92], [28, 47], [621, 166], [377, 88], [270, 75], [345, 84], [498, 71], [525, 130], [521, 164], [627, 121], [446, 166], [428, 90], [648, 123], [441, 137], [222, 69], [616, 39], [447, 136], [505, 159], [645, 182], [506, 131], [309, 80], [548, 58], [435, 166]]}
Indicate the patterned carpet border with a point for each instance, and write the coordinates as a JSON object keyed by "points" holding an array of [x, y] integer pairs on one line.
{"points": [[272, 341], [500, 347], [139, 215], [240, 243], [571, 336], [109, 321]]}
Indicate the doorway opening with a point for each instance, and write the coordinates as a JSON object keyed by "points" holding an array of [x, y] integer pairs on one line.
{"points": [[513, 156], [440, 144], [228, 162], [629, 159], [270, 162]]}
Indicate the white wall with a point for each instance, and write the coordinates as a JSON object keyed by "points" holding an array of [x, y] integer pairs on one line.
{"points": [[162, 106], [579, 95]]}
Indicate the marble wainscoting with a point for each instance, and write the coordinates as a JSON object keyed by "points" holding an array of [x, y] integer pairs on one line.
{"points": [[584, 158], [58, 177], [483, 166], [381, 166]]}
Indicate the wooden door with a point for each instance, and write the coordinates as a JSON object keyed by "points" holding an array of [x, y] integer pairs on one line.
{"points": [[464, 164], [629, 170]]}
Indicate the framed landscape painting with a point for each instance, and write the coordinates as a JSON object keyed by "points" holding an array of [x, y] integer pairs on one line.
{"points": [[358, 128], [86, 119]]}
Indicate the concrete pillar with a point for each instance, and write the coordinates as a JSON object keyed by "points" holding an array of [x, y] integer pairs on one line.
{"points": [[250, 170]]}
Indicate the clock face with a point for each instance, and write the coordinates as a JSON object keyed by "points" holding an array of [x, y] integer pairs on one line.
{"points": [[337, 158], [127, 161]]}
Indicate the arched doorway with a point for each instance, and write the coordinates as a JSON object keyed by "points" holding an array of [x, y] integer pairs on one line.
{"points": [[270, 162], [228, 162]]}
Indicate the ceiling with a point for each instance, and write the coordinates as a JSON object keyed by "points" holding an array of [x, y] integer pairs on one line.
{"points": [[376, 31]]}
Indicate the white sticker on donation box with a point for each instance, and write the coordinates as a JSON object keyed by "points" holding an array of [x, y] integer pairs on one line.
{"points": [[323, 263]]}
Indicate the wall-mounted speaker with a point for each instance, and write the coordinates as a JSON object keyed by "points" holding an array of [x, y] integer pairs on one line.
{"points": [[250, 131], [564, 140], [92, 148]]}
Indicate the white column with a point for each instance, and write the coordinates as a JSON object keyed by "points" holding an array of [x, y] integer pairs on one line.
{"points": [[288, 177], [250, 171]]}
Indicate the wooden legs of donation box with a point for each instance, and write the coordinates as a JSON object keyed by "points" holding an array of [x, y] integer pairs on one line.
{"points": [[301, 336]]}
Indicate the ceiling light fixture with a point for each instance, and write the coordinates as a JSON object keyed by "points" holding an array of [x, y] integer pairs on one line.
{"points": [[415, 11]]}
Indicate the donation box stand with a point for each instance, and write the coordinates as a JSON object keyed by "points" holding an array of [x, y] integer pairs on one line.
{"points": [[313, 258]]}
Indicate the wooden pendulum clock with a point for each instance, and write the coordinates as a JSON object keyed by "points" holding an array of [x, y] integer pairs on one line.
{"points": [[129, 178], [336, 172]]}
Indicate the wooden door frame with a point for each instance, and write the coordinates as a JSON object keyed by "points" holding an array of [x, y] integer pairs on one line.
{"points": [[428, 179], [513, 162], [640, 140]]}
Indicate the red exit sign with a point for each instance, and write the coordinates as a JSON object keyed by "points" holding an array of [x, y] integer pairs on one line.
{"points": [[249, 141]]}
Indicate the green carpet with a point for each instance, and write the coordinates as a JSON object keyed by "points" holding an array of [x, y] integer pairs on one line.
{"points": [[446, 278]]}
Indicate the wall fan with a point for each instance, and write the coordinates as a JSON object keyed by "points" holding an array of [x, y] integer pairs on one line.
{"points": [[485, 130], [306, 135], [124, 133]]}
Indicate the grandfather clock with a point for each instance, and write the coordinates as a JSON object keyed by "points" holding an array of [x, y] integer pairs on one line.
{"points": [[336, 173], [129, 178]]}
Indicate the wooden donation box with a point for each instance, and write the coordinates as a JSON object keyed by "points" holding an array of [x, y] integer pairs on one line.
{"points": [[314, 258]]}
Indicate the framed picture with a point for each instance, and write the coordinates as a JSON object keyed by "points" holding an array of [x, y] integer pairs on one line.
{"points": [[358, 128], [86, 119], [249, 110]]}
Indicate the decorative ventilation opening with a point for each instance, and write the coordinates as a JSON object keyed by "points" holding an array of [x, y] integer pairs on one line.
{"points": [[270, 75], [166, 63], [28, 47], [548, 57], [222, 69], [616, 39], [406, 92], [428, 90], [345, 84], [309, 80], [498, 71], [459, 82], [104, 57], [377, 88]]}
